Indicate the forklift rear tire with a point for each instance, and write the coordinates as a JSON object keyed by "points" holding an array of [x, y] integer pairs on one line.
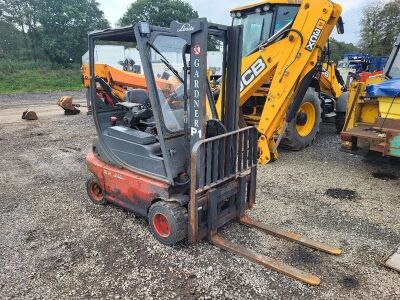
{"points": [[168, 222], [95, 191], [303, 129]]}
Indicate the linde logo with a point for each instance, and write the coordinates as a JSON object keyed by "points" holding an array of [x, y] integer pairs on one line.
{"points": [[186, 28], [252, 73], [315, 35]]}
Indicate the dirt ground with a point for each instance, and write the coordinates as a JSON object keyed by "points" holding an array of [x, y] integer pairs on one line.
{"points": [[55, 244]]}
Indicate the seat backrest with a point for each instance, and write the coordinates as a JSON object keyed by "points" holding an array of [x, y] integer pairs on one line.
{"points": [[138, 96]]}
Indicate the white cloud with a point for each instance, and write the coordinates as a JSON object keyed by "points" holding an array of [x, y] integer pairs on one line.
{"points": [[114, 9], [218, 12]]}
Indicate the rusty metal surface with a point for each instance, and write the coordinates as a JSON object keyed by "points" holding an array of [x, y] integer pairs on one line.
{"points": [[265, 261], [291, 236], [387, 124], [127, 189]]}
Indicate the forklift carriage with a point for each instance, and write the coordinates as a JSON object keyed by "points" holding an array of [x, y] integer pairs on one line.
{"points": [[164, 154]]}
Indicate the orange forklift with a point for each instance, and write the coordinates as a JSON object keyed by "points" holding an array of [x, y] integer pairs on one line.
{"points": [[161, 155]]}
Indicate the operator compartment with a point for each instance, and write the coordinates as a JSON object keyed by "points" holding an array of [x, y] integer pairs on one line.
{"points": [[133, 120]]}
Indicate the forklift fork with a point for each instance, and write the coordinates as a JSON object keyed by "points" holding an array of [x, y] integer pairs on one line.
{"points": [[224, 170]]}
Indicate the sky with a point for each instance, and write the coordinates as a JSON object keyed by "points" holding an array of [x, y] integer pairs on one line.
{"points": [[218, 12]]}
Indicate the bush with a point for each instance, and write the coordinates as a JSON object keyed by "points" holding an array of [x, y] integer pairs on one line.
{"points": [[30, 76]]}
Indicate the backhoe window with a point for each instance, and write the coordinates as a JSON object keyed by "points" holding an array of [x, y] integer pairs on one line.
{"points": [[394, 71], [169, 85], [285, 15], [257, 27]]}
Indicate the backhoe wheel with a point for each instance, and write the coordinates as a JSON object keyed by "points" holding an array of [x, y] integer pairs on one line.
{"points": [[95, 191], [303, 129], [168, 222], [339, 121]]}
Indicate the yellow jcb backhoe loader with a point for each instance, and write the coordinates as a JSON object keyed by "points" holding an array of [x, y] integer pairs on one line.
{"points": [[283, 51]]}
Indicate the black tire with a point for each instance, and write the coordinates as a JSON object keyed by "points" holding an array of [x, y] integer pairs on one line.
{"points": [[176, 218], [293, 140], [95, 191], [339, 121]]}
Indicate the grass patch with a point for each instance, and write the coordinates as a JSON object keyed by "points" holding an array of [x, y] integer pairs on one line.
{"points": [[29, 76]]}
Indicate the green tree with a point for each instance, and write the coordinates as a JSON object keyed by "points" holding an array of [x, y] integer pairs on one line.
{"points": [[65, 25], [53, 29], [339, 49], [390, 18], [23, 16], [158, 12], [11, 41], [380, 25]]}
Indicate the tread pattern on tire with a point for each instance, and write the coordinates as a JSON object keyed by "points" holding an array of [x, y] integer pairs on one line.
{"points": [[179, 213], [94, 178], [292, 141]]}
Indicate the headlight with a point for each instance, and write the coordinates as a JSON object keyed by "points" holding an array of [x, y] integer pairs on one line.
{"points": [[258, 10], [144, 27], [239, 14]]}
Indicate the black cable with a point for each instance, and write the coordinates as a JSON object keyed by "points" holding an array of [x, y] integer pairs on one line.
{"points": [[298, 51]]}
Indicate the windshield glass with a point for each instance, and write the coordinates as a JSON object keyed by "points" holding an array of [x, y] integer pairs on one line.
{"points": [[169, 85], [394, 71], [256, 27], [285, 15]]}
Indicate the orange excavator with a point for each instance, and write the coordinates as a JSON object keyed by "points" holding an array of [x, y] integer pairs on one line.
{"points": [[113, 84]]}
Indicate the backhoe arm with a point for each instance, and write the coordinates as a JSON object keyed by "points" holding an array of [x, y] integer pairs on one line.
{"points": [[119, 80], [286, 67]]}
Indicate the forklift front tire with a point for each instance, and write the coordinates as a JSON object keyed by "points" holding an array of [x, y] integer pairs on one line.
{"points": [[95, 191], [168, 222]]}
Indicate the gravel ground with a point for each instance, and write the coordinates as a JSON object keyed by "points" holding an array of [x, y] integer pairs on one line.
{"points": [[55, 244]]}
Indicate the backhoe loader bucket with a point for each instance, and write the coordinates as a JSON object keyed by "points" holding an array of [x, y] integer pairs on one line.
{"points": [[223, 187]]}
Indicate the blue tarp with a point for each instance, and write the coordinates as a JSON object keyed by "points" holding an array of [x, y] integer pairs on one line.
{"points": [[390, 88]]}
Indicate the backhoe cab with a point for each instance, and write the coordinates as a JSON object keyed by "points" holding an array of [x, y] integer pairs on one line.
{"points": [[286, 89], [159, 154]]}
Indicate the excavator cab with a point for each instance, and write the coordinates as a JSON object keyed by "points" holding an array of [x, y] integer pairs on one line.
{"points": [[262, 21], [160, 154]]}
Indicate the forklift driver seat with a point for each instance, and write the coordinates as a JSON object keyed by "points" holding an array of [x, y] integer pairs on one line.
{"points": [[138, 96]]}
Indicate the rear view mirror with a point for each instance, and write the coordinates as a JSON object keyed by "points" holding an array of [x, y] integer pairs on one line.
{"points": [[340, 26]]}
